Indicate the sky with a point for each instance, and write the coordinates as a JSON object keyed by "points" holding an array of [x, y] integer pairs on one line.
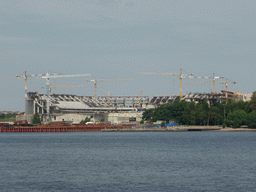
{"points": [[117, 39]]}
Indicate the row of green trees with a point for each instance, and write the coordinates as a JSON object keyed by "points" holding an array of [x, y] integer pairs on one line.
{"points": [[36, 119], [8, 115], [232, 114], [87, 119]]}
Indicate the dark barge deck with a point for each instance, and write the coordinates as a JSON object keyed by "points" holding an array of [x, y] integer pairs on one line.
{"points": [[57, 127]]}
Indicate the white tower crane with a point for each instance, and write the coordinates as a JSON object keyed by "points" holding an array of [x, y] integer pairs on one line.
{"points": [[226, 86], [47, 76], [213, 82], [26, 87]]}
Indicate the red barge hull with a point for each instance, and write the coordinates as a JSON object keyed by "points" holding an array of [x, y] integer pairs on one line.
{"points": [[57, 127]]}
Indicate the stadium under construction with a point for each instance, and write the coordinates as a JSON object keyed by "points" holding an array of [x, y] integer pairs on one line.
{"points": [[113, 109]]}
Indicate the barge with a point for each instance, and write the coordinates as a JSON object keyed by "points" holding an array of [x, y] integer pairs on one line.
{"points": [[21, 127]]}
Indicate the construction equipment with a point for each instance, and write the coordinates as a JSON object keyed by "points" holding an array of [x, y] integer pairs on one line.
{"points": [[108, 100], [137, 101], [26, 85], [180, 74], [105, 94], [101, 80], [226, 86], [62, 86], [213, 82], [47, 76]]}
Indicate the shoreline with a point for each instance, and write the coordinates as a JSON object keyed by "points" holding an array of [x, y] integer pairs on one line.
{"points": [[178, 129]]}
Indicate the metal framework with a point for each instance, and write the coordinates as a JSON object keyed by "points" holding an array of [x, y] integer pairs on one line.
{"points": [[181, 76], [47, 76], [66, 103], [102, 80]]}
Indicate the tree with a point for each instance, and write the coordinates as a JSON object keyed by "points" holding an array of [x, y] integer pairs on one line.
{"points": [[189, 114], [215, 117], [237, 118], [142, 121], [193, 117], [202, 109], [252, 103], [36, 119], [177, 109], [162, 124], [251, 119], [147, 114], [8, 115], [2, 116], [186, 116], [231, 106], [102, 120], [242, 105], [87, 119]]}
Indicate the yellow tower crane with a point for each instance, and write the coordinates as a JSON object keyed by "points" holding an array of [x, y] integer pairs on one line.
{"points": [[180, 75], [105, 94], [213, 80], [226, 86], [137, 101], [101, 80]]}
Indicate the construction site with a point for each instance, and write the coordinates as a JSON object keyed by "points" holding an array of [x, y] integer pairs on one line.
{"points": [[116, 110]]}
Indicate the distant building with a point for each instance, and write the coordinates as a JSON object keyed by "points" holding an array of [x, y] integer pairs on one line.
{"points": [[242, 96], [10, 112]]}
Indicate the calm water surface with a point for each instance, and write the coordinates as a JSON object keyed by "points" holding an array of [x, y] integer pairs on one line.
{"points": [[154, 161]]}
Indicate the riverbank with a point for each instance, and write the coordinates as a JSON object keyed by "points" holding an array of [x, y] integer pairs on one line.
{"points": [[178, 128]]}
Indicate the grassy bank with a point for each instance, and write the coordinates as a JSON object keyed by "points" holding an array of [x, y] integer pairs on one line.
{"points": [[11, 119]]}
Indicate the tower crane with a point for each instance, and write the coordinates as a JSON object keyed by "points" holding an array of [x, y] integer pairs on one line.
{"points": [[226, 86], [62, 86], [180, 75], [137, 101], [47, 76], [213, 82], [101, 80], [26, 85], [105, 94]]}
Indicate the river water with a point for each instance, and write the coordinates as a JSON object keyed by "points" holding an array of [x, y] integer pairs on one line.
{"points": [[128, 161]]}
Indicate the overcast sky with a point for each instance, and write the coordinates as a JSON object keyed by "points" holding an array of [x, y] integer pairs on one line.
{"points": [[115, 39]]}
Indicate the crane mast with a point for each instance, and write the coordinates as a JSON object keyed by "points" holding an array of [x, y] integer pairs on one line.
{"points": [[213, 81], [137, 101], [180, 84], [26, 87], [47, 76], [226, 85], [190, 75]]}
